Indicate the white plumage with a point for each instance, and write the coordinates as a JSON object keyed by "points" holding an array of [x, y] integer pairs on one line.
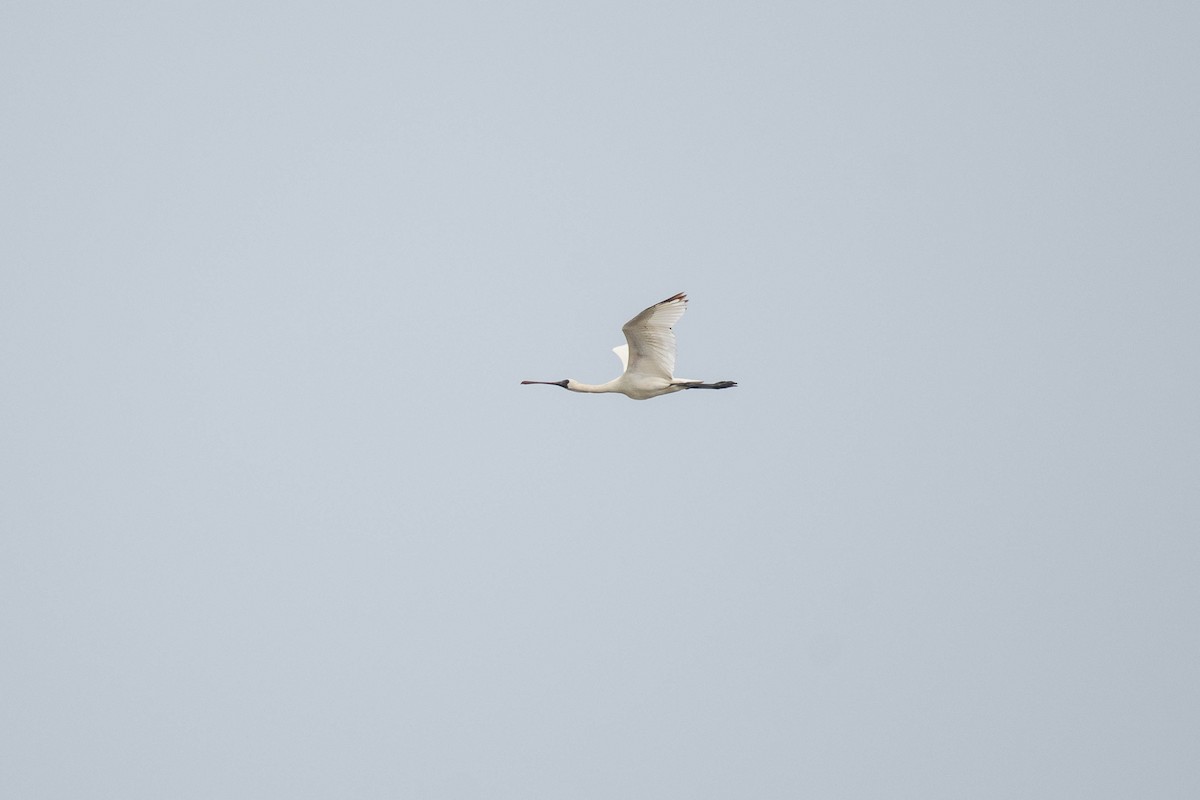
{"points": [[648, 357]]}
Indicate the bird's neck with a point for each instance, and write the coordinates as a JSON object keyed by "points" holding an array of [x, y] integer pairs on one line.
{"points": [[589, 388]]}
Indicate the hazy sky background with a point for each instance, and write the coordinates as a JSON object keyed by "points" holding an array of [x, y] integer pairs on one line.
{"points": [[279, 522]]}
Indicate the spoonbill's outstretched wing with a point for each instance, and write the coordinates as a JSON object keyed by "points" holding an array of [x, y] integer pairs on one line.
{"points": [[622, 351], [651, 349]]}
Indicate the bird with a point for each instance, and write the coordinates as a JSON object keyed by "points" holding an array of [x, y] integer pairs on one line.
{"points": [[647, 357]]}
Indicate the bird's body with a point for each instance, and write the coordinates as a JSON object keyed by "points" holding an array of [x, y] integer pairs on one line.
{"points": [[648, 357]]}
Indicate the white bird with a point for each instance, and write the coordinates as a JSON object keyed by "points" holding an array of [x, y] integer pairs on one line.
{"points": [[648, 357]]}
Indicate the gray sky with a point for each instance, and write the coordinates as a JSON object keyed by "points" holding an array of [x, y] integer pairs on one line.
{"points": [[278, 520]]}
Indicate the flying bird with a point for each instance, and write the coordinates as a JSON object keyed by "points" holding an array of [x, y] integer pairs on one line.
{"points": [[648, 357]]}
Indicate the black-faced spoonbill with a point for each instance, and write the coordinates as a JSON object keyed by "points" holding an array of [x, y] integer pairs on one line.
{"points": [[648, 357]]}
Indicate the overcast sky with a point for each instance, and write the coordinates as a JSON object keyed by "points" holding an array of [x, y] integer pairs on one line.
{"points": [[278, 520]]}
